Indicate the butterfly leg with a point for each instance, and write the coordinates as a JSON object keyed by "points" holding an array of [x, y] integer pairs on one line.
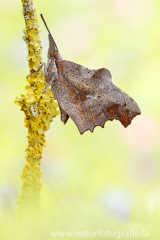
{"points": [[49, 84], [44, 64]]}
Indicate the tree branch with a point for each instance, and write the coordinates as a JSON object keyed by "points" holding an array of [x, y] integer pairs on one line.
{"points": [[39, 109]]}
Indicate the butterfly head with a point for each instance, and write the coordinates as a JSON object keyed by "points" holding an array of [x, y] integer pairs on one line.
{"points": [[53, 54], [53, 50]]}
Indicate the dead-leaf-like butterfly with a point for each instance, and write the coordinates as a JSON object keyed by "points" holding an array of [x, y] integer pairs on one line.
{"points": [[89, 97]]}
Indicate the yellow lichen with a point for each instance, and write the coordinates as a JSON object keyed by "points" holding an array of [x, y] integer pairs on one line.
{"points": [[39, 108]]}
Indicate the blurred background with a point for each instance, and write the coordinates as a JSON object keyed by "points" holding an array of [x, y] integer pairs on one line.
{"points": [[109, 179]]}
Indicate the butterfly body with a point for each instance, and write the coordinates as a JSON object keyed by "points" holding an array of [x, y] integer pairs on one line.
{"points": [[89, 97]]}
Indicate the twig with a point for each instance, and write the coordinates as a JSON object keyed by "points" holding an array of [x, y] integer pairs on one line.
{"points": [[39, 109]]}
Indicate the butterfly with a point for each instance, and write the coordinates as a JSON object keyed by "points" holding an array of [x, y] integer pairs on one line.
{"points": [[89, 97]]}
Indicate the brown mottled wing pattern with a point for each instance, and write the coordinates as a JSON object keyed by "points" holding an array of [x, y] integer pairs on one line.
{"points": [[90, 98]]}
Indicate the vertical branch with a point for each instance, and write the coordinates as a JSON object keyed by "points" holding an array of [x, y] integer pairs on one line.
{"points": [[39, 109]]}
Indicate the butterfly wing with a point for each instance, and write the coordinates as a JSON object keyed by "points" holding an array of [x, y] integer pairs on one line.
{"points": [[90, 98]]}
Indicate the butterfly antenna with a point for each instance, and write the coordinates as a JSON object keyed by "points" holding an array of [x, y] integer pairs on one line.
{"points": [[45, 23], [47, 28]]}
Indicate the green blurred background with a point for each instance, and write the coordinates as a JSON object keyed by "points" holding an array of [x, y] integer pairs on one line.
{"points": [[109, 179]]}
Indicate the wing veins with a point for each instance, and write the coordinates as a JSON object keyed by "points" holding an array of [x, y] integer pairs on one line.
{"points": [[76, 90]]}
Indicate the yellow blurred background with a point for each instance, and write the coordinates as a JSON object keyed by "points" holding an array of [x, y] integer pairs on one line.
{"points": [[109, 179]]}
